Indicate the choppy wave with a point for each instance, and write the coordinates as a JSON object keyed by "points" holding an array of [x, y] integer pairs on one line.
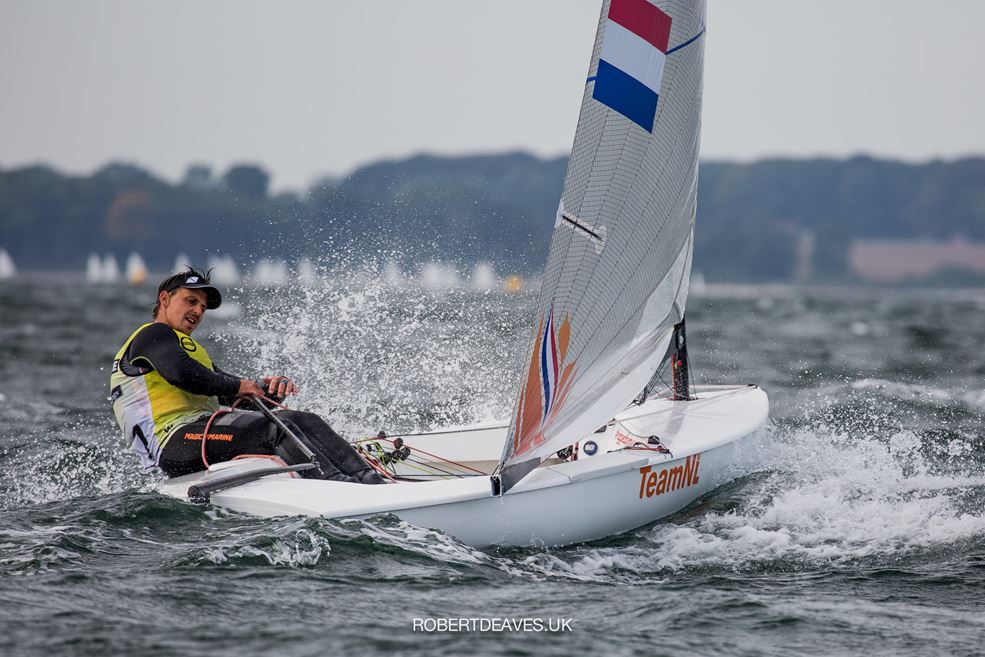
{"points": [[972, 399], [870, 478], [853, 468]]}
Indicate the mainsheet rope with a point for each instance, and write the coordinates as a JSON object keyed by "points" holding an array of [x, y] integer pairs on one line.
{"points": [[372, 461]]}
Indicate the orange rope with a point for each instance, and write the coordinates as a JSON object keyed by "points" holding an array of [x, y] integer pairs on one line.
{"points": [[376, 465], [205, 432], [223, 411]]}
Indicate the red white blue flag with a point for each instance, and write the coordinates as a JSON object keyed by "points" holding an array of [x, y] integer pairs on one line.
{"points": [[631, 63]]}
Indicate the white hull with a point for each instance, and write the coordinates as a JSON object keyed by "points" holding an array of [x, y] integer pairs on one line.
{"points": [[557, 504]]}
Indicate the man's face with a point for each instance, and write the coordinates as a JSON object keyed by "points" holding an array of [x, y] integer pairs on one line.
{"points": [[183, 310]]}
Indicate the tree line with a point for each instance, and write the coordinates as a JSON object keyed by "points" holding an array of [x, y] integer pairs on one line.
{"points": [[461, 210]]}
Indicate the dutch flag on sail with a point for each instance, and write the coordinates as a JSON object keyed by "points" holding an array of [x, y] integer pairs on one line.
{"points": [[631, 63], [549, 364]]}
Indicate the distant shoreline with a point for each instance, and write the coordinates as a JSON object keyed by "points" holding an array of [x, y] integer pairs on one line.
{"points": [[822, 220]]}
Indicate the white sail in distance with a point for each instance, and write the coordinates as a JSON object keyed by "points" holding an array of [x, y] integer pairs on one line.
{"points": [[111, 269], [136, 269], [7, 268], [615, 282], [94, 269]]}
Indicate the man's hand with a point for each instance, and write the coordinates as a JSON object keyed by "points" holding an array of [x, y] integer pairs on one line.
{"points": [[279, 387], [250, 387]]}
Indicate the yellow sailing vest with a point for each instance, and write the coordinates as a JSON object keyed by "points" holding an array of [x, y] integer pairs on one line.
{"points": [[148, 408]]}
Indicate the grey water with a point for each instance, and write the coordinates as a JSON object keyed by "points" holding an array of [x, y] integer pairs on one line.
{"points": [[859, 530]]}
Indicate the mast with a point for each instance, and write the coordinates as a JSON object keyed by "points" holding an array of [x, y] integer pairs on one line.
{"points": [[679, 364]]}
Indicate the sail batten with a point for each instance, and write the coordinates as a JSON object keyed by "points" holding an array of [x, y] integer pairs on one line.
{"points": [[616, 275]]}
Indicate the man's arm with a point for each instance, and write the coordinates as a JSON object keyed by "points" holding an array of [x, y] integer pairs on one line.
{"points": [[224, 400], [246, 386], [157, 347]]}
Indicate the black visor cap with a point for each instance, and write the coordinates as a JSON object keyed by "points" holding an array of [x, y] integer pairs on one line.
{"points": [[194, 281]]}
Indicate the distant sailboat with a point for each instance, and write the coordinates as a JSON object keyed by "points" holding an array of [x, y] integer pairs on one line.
{"points": [[136, 269], [306, 272], [181, 263], [698, 283], [513, 284], [7, 268], [392, 274], [224, 270], [439, 276], [270, 272], [483, 276], [94, 269], [111, 269]]}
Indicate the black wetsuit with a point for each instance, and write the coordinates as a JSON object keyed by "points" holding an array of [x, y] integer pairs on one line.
{"points": [[238, 432]]}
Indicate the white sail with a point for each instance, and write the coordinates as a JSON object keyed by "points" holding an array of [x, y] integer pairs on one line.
{"points": [[616, 277], [94, 269], [7, 268], [111, 269], [136, 269], [392, 274], [223, 270], [307, 274], [483, 276], [270, 272], [181, 263], [439, 276]]}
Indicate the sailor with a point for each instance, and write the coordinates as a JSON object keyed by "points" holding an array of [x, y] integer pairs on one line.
{"points": [[165, 388]]}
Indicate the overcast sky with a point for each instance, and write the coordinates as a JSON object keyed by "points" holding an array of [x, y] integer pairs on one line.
{"points": [[307, 88]]}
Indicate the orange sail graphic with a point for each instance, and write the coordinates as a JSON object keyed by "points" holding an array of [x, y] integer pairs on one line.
{"points": [[548, 382]]}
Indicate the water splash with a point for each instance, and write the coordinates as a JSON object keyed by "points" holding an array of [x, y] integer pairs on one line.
{"points": [[819, 499], [46, 468], [370, 355]]}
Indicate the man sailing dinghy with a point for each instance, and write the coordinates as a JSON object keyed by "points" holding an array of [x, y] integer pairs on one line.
{"points": [[593, 447], [166, 392]]}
